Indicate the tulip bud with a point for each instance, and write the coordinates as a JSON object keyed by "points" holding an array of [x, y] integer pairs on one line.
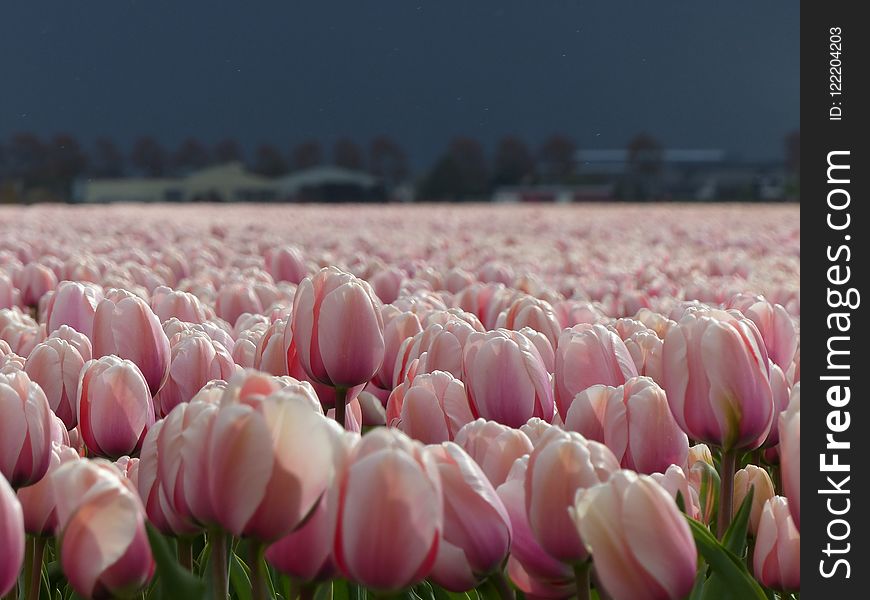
{"points": [[25, 429], [55, 365], [494, 447], [615, 520], [113, 407], [73, 304], [431, 408], [38, 500], [755, 477], [11, 537], [790, 453], [776, 560]]}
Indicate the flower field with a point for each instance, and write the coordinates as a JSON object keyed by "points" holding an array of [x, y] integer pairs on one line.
{"points": [[422, 402]]}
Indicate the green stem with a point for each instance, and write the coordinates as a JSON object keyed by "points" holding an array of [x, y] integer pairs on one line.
{"points": [[185, 553], [258, 575], [727, 468], [35, 583], [505, 591], [340, 405], [219, 563], [27, 569], [581, 576]]}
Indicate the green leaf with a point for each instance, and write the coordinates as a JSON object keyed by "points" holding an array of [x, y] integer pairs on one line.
{"points": [[442, 594], [739, 584], [174, 580], [344, 590], [324, 591], [735, 537], [240, 578]]}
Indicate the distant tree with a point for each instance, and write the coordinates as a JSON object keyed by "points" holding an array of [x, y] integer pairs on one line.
{"points": [[67, 161], [557, 158], [191, 155], [28, 158], [461, 174], [228, 150], [107, 161], [347, 153], [388, 161], [306, 155], [149, 157], [644, 156], [793, 153], [268, 161], [513, 162]]}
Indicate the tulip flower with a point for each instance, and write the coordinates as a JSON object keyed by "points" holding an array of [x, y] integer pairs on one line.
{"points": [[443, 344], [55, 365], [195, 359], [494, 447], [776, 560], [34, 281], [674, 481], [633, 559], [235, 299], [103, 544], [388, 485], [338, 331], [775, 325], [587, 355], [25, 429], [11, 537], [506, 378], [432, 408], [168, 303], [398, 326], [124, 325], [286, 264], [38, 501], [73, 304], [476, 537], [790, 453], [528, 311], [562, 463], [753, 477], [634, 421], [114, 408]]}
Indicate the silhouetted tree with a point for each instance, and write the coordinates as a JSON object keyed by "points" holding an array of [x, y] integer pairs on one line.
{"points": [[513, 162], [347, 153], [388, 161], [67, 161], [557, 158], [269, 161], [191, 155], [228, 150], [461, 174], [106, 160], [644, 156], [149, 157], [28, 158], [306, 155]]}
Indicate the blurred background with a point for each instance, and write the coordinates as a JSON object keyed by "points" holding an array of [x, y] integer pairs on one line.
{"points": [[394, 100]]}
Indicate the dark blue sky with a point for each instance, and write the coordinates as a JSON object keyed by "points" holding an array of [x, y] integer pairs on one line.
{"points": [[695, 73]]}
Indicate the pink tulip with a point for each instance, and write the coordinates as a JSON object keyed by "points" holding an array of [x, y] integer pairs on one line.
{"points": [[286, 264], [560, 465], [477, 531], [235, 299], [790, 453], [168, 303], [531, 569], [645, 348], [9, 296], [306, 553], [55, 365], [674, 481], [494, 447], [11, 537], [641, 545], [776, 560], [113, 407], [389, 485], [398, 326], [387, 283], [337, 329], [528, 311], [34, 281], [634, 421], [754, 477], [269, 355], [780, 393], [588, 355], [270, 459], [716, 376], [124, 325], [432, 408], [25, 429], [195, 359], [775, 325], [506, 379], [443, 344], [104, 549], [38, 500], [73, 304]]}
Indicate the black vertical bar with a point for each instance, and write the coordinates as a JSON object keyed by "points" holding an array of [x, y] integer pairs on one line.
{"points": [[833, 177]]}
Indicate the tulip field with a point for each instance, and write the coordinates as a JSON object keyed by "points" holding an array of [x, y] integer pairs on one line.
{"points": [[427, 402]]}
